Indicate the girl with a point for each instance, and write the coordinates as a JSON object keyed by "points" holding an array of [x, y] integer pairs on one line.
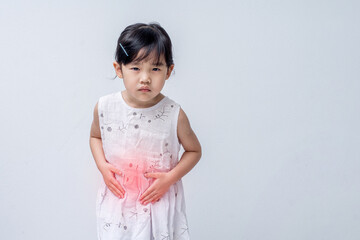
{"points": [[135, 140]]}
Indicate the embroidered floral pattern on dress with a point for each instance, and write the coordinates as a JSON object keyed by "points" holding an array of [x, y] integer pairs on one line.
{"points": [[138, 141]]}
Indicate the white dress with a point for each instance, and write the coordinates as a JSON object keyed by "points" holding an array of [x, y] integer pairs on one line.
{"points": [[139, 140]]}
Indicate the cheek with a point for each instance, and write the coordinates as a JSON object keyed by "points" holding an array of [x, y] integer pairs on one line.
{"points": [[159, 84], [129, 84]]}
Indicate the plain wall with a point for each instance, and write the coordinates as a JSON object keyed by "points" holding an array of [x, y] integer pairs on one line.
{"points": [[271, 89]]}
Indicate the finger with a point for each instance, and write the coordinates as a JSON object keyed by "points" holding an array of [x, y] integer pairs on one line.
{"points": [[115, 170], [154, 199], [115, 191], [157, 200], [146, 193], [152, 175], [117, 185], [149, 198]]}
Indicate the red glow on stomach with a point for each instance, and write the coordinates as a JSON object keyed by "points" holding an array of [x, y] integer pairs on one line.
{"points": [[132, 179]]}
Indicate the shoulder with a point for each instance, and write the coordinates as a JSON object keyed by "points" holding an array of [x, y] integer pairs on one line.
{"points": [[95, 129], [171, 102], [96, 108], [107, 101], [179, 112], [101, 100], [183, 124], [185, 133]]}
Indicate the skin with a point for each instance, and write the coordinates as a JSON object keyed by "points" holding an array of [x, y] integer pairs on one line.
{"points": [[136, 75]]}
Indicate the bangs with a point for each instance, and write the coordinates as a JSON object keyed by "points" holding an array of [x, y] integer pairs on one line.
{"points": [[144, 42], [151, 52]]}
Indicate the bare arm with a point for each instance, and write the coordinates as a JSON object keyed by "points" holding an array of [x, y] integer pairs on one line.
{"points": [[191, 145], [188, 160], [95, 140], [107, 170]]}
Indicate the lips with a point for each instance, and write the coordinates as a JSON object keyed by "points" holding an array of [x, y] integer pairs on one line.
{"points": [[145, 89]]}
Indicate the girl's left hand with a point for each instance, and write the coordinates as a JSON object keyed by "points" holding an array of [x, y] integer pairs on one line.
{"points": [[159, 187]]}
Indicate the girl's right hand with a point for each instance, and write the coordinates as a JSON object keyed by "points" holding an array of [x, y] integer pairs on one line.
{"points": [[108, 171]]}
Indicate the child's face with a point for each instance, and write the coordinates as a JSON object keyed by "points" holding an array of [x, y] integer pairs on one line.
{"points": [[138, 76]]}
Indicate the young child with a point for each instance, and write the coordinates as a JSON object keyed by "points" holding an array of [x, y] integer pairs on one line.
{"points": [[135, 140]]}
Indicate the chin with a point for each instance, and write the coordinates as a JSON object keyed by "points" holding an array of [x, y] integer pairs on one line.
{"points": [[145, 99]]}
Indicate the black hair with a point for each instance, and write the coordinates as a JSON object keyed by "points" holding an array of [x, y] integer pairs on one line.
{"points": [[152, 38]]}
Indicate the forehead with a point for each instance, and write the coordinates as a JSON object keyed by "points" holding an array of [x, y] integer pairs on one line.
{"points": [[152, 58]]}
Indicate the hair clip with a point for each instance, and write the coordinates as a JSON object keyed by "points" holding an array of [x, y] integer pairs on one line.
{"points": [[123, 49]]}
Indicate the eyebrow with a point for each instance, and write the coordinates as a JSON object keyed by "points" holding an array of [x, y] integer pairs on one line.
{"points": [[159, 64]]}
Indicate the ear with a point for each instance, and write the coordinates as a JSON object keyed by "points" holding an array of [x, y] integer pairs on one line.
{"points": [[169, 71], [118, 69]]}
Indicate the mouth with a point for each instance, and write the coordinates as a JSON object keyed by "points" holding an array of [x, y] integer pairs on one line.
{"points": [[144, 89]]}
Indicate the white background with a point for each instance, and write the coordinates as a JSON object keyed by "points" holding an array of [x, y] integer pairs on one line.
{"points": [[271, 89]]}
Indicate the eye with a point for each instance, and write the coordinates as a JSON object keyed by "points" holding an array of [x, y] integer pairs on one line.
{"points": [[135, 68], [156, 69]]}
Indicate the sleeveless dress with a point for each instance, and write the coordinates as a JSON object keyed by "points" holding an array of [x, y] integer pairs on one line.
{"points": [[139, 140]]}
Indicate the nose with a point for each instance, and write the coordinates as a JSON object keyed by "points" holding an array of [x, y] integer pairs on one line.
{"points": [[145, 78]]}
